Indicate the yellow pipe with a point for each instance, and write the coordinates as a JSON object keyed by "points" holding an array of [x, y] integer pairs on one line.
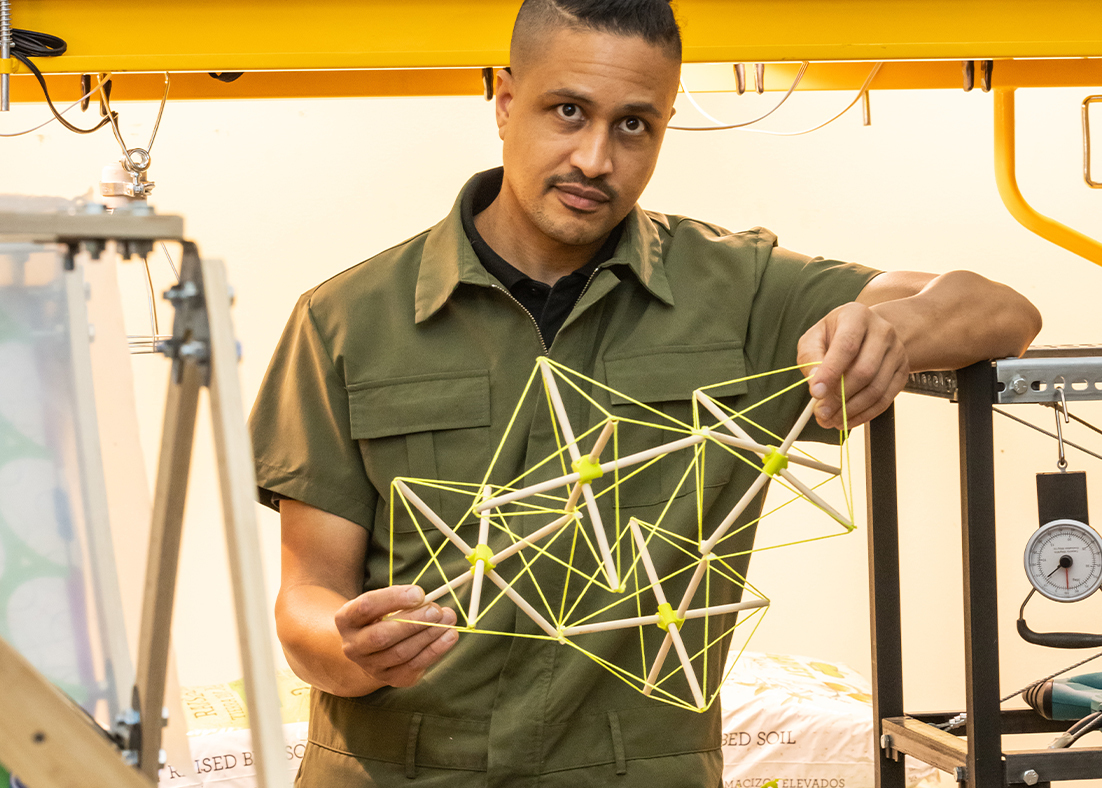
{"points": [[1047, 228]]}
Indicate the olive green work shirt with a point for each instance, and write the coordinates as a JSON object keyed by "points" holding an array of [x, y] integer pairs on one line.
{"points": [[411, 364]]}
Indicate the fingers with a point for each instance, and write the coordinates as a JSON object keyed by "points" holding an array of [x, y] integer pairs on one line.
{"points": [[395, 649], [854, 343]]}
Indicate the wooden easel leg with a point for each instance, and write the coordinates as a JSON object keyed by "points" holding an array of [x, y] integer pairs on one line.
{"points": [[46, 739], [164, 554], [238, 484]]}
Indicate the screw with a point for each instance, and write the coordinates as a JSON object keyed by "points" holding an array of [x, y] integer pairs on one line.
{"points": [[1030, 777], [1019, 385], [960, 774]]}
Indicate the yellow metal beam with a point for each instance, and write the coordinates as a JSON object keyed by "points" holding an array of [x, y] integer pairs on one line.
{"points": [[701, 78], [1006, 177], [203, 35]]}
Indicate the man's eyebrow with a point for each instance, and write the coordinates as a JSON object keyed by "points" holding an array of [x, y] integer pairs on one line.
{"points": [[631, 108]]}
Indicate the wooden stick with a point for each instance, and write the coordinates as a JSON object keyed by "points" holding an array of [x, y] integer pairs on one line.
{"points": [[169, 494], [237, 482], [432, 517], [724, 419], [534, 537], [448, 587], [46, 739], [709, 544], [814, 497], [479, 565], [758, 448], [606, 467], [522, 603], [642, 621]]}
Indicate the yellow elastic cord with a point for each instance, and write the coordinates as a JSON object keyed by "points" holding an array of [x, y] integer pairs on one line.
{"points": [[587, 469], [482, 553], [775, 462], [666, 616]]}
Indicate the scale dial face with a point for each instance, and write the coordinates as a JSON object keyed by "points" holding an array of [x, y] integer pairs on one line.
{"points": [[1063, 560]]}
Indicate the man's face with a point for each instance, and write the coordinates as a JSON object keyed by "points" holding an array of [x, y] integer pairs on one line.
{"points": [[582, 122]]}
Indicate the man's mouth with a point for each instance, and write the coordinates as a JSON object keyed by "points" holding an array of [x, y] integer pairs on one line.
{"points": [[579, 197]]}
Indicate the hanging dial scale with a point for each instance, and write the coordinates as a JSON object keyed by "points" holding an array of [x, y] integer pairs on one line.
{"points": [[1063, 560]]}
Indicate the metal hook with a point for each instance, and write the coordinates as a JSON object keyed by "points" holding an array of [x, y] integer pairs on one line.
{"points": [[759, 77], [1061, 408], [740, 78]]}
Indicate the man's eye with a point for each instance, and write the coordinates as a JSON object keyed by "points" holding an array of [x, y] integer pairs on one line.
{"points": [[633, 125], [569, 110]]}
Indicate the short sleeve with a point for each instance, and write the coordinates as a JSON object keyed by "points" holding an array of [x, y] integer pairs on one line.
{"points": [[301, 431], [794, 293]]}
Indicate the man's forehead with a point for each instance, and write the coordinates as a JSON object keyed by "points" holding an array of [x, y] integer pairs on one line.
{"points": [[581, 65]]}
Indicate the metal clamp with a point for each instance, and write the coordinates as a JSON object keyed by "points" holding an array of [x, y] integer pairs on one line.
{"points": [[1087, 141], [190, 340]]}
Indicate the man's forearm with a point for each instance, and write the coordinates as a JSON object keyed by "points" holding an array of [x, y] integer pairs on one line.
{"points": [[959, 318], [312, 644]]}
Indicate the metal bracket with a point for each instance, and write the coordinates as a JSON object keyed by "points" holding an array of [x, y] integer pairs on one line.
{"points": [[1087, 141], [191, 328], [1046, 380]]}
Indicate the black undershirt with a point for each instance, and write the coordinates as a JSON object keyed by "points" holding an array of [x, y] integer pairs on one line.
{"points": [[549, 305]]}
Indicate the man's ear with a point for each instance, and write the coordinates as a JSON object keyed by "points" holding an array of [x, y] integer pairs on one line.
{"points": [[503, 98]]}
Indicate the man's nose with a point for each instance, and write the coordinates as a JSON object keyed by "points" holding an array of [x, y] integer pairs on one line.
{"points": [[593, 153]]}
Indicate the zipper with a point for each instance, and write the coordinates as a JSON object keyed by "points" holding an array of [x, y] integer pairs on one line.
{"points": [[535, 325]]}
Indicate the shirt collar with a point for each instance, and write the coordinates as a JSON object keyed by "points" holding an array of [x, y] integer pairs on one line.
{"points": [[448, 259]]}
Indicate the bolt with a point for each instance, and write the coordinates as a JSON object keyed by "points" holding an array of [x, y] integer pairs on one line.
{"points": [[1030, 777], [960, 774], [885, 742], [1019, 385]]}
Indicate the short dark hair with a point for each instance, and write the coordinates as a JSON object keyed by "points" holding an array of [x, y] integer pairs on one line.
{"points": [[651, 20]]}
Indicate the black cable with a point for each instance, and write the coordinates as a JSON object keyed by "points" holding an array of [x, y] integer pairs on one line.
{"points": [[26, 44]]}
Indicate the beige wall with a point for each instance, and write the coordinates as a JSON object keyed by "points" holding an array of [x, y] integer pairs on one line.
{"points": [[291, 192]]}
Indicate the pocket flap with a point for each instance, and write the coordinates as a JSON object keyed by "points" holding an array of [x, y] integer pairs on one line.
{"points": [[422, 403], [672, 374]]}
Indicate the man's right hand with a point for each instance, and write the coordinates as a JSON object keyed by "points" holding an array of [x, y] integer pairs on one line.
{"points": [[378, 633]]}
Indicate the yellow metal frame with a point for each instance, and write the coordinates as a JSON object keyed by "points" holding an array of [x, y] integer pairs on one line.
{"points": [[1005, 176], [246, 35]]}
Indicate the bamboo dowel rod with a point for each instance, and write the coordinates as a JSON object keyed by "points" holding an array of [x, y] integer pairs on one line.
{"points": [[522, 603], [758, 448], [686, 666], [600, 536], [611, 465], [448, 587], [432, 517], [560, 409], [815, 498], [709, 544], [724, 419], [534, 537], [476, 591]]}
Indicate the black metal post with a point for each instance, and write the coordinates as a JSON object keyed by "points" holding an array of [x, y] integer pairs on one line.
{"points": [[883, 527], [981, 633]]}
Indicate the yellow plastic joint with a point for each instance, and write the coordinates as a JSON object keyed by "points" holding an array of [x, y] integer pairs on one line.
{"points": [[7, 65], [666, 616], [587, 469], [482, 553], [775, 462]]}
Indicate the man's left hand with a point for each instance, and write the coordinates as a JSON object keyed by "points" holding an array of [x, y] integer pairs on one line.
{"points": [[855, 344]]}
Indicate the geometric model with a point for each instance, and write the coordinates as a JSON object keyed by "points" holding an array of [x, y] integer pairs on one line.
{"points": [[582, 572]]}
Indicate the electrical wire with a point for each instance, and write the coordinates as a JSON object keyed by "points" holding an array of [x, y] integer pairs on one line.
{"points": [[26, 44], [864, 89], [1091, 722], [52, 118], [721, 126]]}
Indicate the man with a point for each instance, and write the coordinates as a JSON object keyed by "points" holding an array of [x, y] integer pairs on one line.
{"points": [[410, 365]]}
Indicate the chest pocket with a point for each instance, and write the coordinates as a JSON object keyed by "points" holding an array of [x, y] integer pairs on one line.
{"points": [[432, 427], [664, 381]]}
